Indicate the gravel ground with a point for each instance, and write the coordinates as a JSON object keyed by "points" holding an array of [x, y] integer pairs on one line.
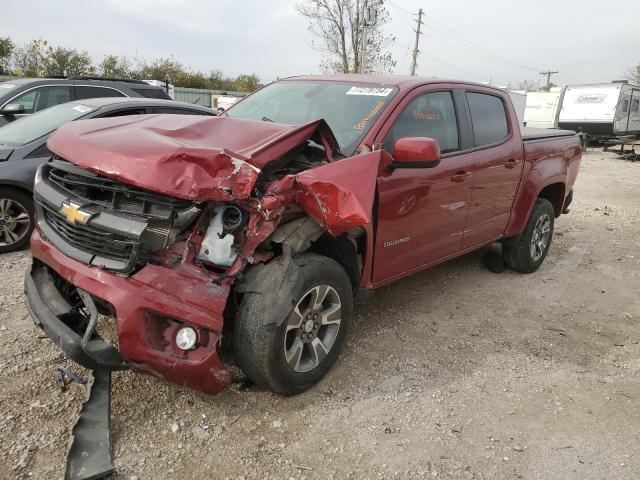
{"points": [[456, 372]]}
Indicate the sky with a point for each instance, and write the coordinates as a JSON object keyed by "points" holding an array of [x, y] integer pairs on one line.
{"points": [[497, 41]]}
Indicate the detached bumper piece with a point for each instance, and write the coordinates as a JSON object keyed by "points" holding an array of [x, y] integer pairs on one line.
{"points": [[90, 456], [63, 322]]}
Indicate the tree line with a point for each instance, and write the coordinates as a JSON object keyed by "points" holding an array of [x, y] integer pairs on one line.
{"points": [[38, 58]]}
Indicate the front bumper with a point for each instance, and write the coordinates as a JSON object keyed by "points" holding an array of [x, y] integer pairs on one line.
{"points": [[150, 306]]}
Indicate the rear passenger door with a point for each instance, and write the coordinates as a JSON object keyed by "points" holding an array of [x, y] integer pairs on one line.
{"points": [[497, 166]]}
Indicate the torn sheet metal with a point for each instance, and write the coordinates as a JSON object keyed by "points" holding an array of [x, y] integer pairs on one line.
{"points": [[340, 195], [90, 455], [186, 156]]}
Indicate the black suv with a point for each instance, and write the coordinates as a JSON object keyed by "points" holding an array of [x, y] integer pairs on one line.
{"points": [[21, 97], [23, 147]]}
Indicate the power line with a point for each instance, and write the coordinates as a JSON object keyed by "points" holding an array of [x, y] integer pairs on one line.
{"points": [[452, 34], [473, 53], [452, 66]]}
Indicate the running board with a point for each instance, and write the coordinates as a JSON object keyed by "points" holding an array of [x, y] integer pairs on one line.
{"points": [[90, 455]]}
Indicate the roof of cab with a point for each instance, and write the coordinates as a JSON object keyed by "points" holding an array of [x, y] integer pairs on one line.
{"points": [[403, 82]]}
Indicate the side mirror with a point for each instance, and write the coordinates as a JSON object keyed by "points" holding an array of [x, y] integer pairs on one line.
{"points": [[12, 109], [416, 152]]}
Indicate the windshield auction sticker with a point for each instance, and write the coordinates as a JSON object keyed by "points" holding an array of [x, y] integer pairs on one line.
{"points": [[82, 108], [370, 91]]}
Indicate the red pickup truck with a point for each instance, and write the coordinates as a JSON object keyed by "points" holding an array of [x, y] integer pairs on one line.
{"points": [[261, 225]]}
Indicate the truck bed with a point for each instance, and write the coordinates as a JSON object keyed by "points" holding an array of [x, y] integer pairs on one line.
{"points": [[530, 133]]}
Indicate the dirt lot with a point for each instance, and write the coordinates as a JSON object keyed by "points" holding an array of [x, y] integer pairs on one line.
{"points": [[456, 372]]}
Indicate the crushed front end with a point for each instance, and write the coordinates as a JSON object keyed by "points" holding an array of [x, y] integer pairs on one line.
{"points": [[150, 227], [110, 257]]}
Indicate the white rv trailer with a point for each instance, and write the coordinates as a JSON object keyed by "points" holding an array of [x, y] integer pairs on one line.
{"points": [[541, 108], [603, 111]]}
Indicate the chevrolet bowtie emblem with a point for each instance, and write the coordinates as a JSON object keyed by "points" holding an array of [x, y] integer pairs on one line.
{"points": [[73, 214]]}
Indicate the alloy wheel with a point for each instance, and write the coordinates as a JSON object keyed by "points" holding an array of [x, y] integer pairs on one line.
{"points": [[14, 221], [312, 328], [540, 237]]}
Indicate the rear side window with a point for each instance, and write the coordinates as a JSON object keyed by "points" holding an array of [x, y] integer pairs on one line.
{"points": [[489, 118], [625, 105], [124, 113], [634, 104], [430, 115], [96, 92], [179, 111], [152, 93]]}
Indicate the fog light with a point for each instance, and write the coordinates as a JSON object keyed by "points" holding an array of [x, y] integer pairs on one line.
{"points": [[186, 338]]}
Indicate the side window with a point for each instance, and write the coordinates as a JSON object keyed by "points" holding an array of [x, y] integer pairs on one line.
{"points": [[430, 115], [179, 111], [489, 118], [83, 92], [124, 113], [625, 105], [28, 100], [634, 104], [43, 97], [51, 96]]}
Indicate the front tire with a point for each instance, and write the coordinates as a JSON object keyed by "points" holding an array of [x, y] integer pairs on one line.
{"points": [[289, 355], [526, 253], [16, 219]]}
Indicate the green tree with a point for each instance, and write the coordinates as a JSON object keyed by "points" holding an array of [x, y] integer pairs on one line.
{"points": [[6, 52], [247, 83], [31, 60], [161, 69], [68, 62], [218, 81], [113, 66]]}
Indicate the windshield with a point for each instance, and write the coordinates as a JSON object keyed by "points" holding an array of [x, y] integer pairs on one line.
{"points": [[28, 129], [349, 109]]}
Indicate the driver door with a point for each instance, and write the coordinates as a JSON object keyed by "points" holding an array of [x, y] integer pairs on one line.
{"points": [[422, 211]]}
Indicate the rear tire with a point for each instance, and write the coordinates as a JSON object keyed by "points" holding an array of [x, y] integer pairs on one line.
{"points": [[526, 253], [16, 219], [289, 355]]}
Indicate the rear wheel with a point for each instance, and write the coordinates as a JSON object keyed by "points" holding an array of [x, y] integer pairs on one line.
{"points": [[527, 252], [288, 355], [16, 219]]}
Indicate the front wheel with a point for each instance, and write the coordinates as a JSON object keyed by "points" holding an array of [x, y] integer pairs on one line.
{"points": [[290, 354], [526, 253]]}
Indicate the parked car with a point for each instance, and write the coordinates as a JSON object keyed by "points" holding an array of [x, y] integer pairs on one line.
{"points": [[260, 225], [23, 147], [22, 97]]}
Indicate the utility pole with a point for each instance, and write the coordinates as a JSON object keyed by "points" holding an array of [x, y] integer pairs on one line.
{"points": [[415, 48], [369, 19], [548, 74], [363, 49]]}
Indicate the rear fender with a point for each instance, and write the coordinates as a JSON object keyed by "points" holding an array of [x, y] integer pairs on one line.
{"points": [[544, 173]]}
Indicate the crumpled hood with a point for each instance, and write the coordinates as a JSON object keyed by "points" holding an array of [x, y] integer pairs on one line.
{"points": [[186, 156]]}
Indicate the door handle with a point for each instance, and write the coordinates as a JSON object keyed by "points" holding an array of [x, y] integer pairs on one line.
{"points": [[459, 176], [512, 163]]}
